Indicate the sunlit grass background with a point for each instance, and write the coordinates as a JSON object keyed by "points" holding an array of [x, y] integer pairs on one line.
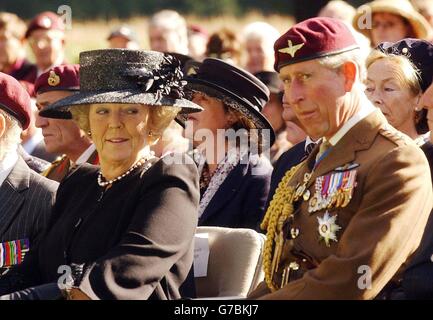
{"points": [[89, 35]]}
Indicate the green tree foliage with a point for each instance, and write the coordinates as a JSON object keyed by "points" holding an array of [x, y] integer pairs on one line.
{"points": [[128, 8]]}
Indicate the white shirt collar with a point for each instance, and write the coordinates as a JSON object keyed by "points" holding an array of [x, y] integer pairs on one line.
{"points": [[366, 109], [86, 155], [7, 165]]}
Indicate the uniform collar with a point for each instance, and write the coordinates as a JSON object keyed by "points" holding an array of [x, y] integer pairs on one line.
{"points": [[366, 109], [85, 155]]}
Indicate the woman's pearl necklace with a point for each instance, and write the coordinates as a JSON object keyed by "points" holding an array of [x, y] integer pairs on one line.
{"points": [[123, 175]]}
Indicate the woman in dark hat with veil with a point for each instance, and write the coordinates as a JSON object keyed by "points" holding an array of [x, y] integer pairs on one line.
{"points": [[124, 231], [230, 136], [398, 74]]}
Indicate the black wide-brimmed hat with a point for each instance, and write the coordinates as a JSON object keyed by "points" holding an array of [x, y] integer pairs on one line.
{"points": [[127, 76], [235, 87]]}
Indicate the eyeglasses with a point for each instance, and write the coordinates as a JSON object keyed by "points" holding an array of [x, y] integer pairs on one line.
{"points": [[41, 42], [385, 24]]}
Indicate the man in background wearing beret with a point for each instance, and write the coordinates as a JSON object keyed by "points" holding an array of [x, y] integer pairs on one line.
{"points": [[26, 197], [123, 37], [345, 221], [62, 136], [12, 51], [46, 36]]}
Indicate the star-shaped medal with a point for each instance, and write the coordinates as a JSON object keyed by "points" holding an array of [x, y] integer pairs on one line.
{"points": [[328, 228]]}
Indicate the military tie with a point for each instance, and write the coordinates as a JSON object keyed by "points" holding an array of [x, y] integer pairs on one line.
{"points": [[324, 146]]}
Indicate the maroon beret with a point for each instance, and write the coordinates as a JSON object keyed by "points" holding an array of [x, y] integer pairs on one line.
{"points": [[15, 100], [313, 38], [64, 77], [47, 21]]}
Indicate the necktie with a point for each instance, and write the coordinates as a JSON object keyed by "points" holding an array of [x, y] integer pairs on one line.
{"points": [[324, 146], [309, 148]]}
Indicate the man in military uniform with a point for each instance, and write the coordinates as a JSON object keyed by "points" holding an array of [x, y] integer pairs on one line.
{"points": [[342, 223], [46, 36], [26, 198], [62, 136], [12, 51]]}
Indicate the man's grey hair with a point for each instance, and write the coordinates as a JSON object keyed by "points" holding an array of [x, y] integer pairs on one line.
{"points": [[171, 20], [357, 56], [11, 137]]}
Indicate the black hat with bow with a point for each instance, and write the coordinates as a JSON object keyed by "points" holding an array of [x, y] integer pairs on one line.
{"points": [[129, 77]]}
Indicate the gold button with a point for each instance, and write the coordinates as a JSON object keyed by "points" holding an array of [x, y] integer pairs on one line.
{"points": [[294, 265]]}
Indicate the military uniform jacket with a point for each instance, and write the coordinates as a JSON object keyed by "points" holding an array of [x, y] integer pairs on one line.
{"points": [[375, 234], [60, 168]]}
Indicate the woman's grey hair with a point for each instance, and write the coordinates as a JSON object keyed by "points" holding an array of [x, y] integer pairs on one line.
{"points": [[11, 138], [261, 31], [172, 21]]}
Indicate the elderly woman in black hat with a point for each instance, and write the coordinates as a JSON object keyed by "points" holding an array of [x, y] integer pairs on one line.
{"points": [[124, 230], [230, 135], [397, 75]]}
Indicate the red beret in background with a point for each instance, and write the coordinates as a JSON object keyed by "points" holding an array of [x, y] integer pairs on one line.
{"points": [[64, 77], [46, 21], [15, 100]]}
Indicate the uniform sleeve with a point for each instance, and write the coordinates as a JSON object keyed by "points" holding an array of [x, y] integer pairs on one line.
{"points": [[160, 234], [383, 233]]}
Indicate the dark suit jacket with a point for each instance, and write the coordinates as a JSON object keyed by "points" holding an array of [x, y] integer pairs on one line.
{"points": [[34, 163], [418, 277], [133, 241], [287, 160], [240, 200], [26, 200]]}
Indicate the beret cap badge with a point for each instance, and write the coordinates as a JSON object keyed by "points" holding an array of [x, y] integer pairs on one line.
{"points": [[46, 22], [291, 49], [53, 79]]}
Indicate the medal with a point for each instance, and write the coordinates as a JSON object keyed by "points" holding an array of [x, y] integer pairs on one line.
{"points": [[328, 228], [333, 190], [13, 252], [312, 205], [300, 189]]}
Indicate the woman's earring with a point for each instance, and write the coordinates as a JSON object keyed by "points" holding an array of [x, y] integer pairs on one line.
{"points": [[150, 134], [89, 133]]}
